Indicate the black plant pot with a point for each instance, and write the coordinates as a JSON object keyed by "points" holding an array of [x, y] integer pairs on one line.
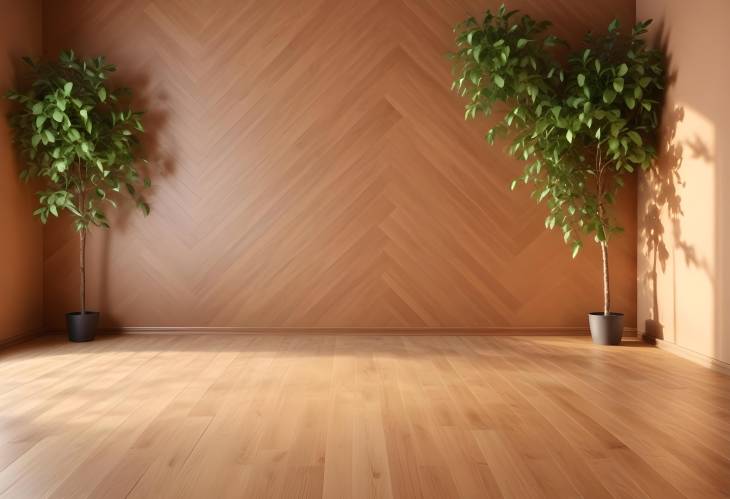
{"points": [[82, 327], [606, 329]]}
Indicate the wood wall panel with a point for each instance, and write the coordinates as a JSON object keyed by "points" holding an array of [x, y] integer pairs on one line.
{"points": [[315, 171], [21, 247]]}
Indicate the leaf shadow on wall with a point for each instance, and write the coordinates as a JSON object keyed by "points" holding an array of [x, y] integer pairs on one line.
{"points": [[662, 185], [662, 196], [161, 164]]}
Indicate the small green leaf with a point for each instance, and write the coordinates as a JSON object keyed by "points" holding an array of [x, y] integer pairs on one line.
{"points": [[39, 121], [522, 42], [102, 94], [608, 96], [635, 137], [576, 249], [622, 70], [498, 80], [58, 116], [67, 88], [618, 85], [569, 135], [581, 80], [37, 108]]}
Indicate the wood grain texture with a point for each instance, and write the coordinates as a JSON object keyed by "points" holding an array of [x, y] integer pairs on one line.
{"points": [[21, 251], [359, 416], [317, 172]]}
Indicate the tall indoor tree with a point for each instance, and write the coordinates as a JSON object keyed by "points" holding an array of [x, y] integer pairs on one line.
{"points": [[581, 126], [80, 141]]}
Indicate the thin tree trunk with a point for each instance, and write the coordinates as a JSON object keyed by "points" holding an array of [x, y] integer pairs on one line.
{"points": [[606, 288], [82, 267]]}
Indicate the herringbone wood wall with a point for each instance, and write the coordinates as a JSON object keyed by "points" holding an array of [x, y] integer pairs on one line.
{"points": [[315, 171]]}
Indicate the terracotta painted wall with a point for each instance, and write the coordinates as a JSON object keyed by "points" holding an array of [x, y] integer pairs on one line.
{"points": [[684, 208], [315, 171], [21, 249]]}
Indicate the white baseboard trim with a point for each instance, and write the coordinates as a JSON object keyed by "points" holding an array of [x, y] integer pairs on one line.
{"points": [[691, 355]]}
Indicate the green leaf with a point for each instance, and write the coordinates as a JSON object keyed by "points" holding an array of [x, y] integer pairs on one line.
{"points": [[39, 121], [622, 70], [67, 88], [145, 208], [498, 80], [102, 94], [608, 96], [58, 116], [618, 84], [37, 108], [569, 135], [522, 42], [576, 249], [613, 26], [581, 79], [635, 137], [50, 137]]}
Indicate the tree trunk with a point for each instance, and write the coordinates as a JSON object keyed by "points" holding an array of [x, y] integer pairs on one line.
{"points": [[606, 288], [82, 268]]}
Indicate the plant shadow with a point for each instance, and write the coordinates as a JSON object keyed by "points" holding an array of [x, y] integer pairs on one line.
{"points": [[160, 163], [662, 187]]}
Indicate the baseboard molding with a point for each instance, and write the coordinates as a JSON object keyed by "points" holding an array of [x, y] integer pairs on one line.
{"points": [[686, 353], [416, 331], [18, 338]]}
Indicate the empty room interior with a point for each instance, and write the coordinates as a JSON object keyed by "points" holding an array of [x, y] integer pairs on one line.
{"points": [[364, 249]]}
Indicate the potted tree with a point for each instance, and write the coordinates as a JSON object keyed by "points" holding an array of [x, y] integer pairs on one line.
{"points": [[580, 126], [79, 140]]}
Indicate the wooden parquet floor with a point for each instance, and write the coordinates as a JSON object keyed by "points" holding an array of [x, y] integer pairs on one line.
{"points": [[342, 416]]}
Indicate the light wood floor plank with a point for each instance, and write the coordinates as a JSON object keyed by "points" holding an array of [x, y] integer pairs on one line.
{"points": [[155, 416]]}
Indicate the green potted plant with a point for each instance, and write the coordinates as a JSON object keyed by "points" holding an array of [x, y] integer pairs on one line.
{"points": [[79, 140], [580, 126]]}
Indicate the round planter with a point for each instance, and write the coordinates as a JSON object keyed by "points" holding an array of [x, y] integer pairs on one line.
{"points": [[606, 329], [81, 327]]}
